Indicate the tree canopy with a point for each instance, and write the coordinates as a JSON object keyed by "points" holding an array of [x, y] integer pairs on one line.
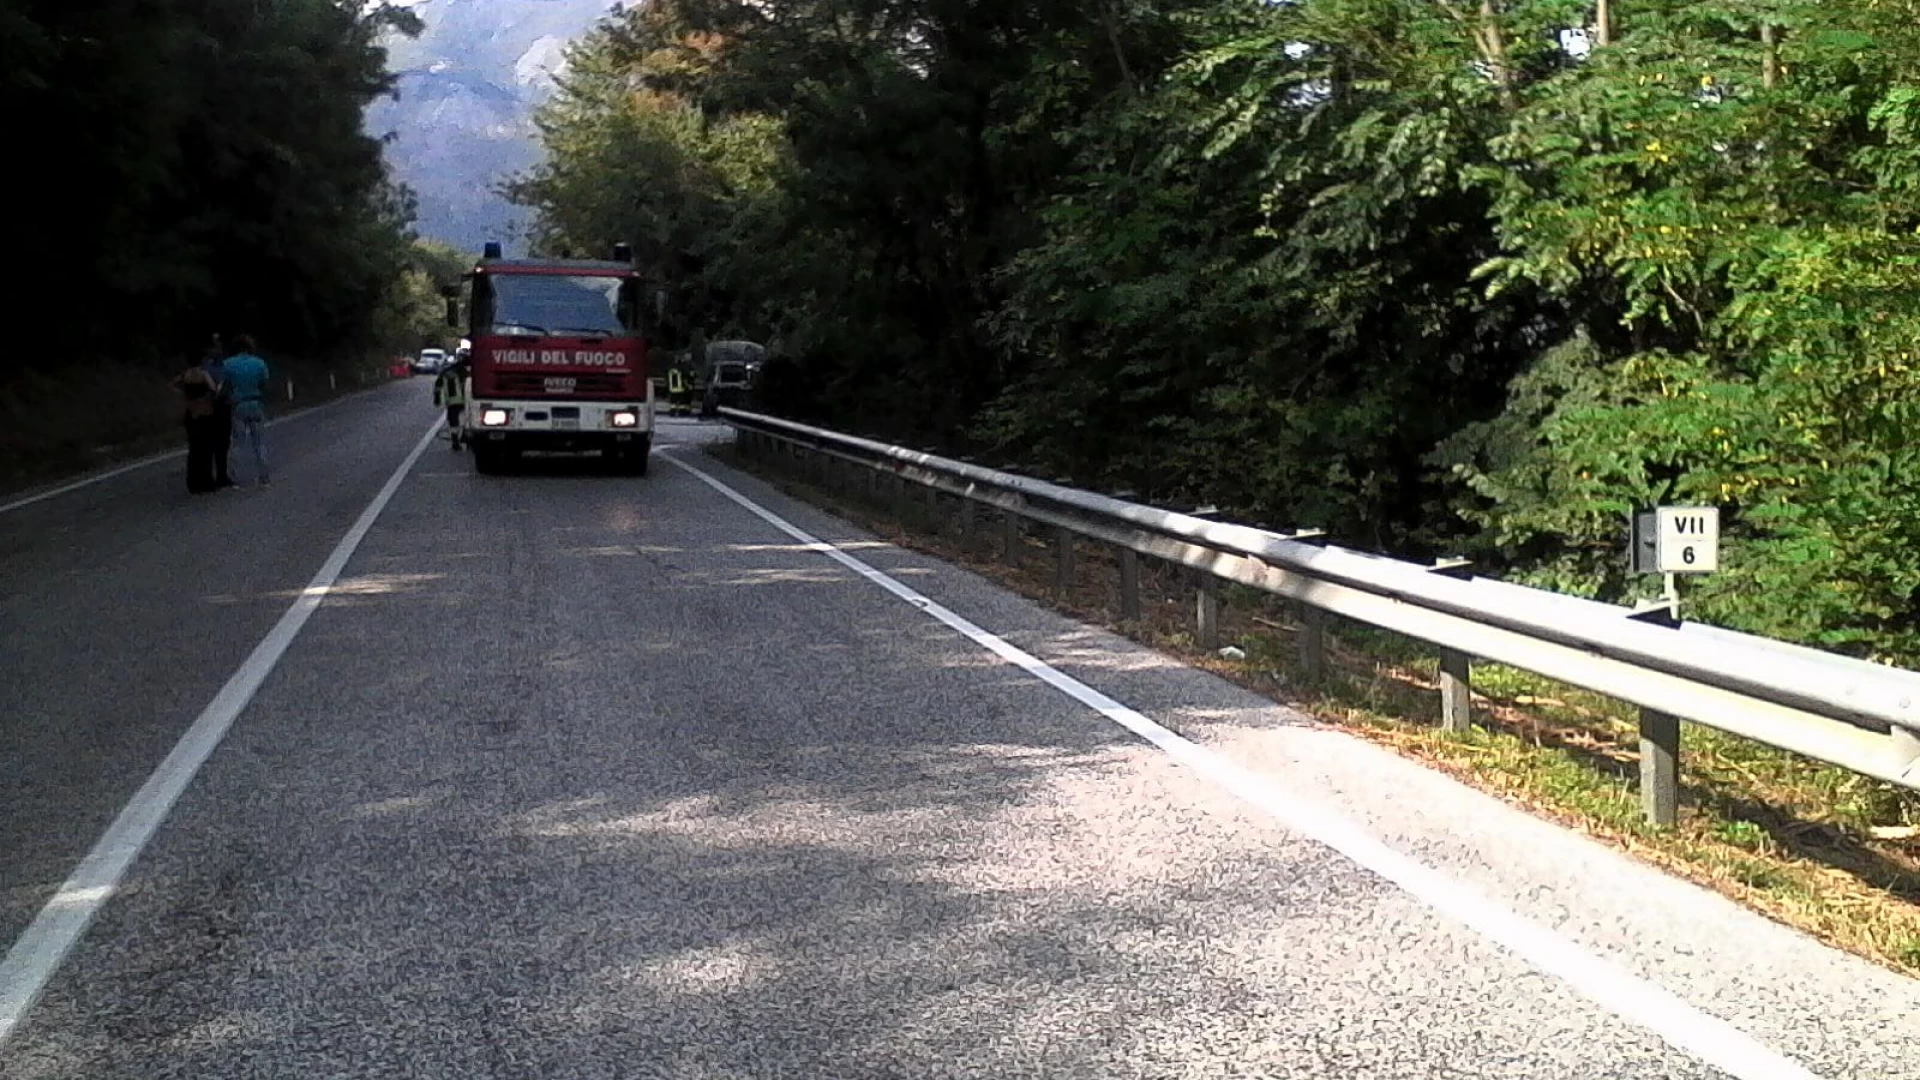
{"points": [[1465, 275], [193, 166]]}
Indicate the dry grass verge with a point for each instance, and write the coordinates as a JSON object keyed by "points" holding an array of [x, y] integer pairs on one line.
{"points": [[1807, 844]]}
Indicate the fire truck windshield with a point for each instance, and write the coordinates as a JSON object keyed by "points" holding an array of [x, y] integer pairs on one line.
{"points": [[558, 304]]}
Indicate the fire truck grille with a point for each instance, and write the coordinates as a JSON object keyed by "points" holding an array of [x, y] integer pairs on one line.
{"points": [[532, 384]]}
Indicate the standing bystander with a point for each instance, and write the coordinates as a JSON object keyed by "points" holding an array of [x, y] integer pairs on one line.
{"points": [[247, 379], [197, 392], [220, 426]]}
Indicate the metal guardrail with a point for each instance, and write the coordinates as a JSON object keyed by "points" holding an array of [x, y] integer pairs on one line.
{"points": [[1858, 715]]}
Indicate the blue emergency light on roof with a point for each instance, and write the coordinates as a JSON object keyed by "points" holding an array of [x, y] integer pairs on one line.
{"points": [[492, 250]]}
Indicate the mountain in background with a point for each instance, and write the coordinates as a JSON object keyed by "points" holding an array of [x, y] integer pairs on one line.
{"points": [[463, 121]]}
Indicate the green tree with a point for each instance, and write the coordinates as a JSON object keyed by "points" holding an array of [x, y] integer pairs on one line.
{"points": [[206, 168], [1726, 196], [1430, 274]]}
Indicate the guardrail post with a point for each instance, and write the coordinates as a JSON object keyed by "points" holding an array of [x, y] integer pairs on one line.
{"points": [[1010, 538], [1062, 557], [915, 497], [1206, 612], [1456, 691], [1456, 668], [1906, 747], [1660, 767], [1129, 584], [932, 496], [1312, 642], [1659, 740], [964, 522], [899, 496]]}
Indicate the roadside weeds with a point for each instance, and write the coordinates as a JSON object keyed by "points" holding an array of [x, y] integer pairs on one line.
{"points": [[1807, 844]]}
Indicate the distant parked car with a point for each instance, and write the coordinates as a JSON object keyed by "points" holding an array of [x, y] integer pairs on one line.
{"points": [[430, 361], [730, 369]]}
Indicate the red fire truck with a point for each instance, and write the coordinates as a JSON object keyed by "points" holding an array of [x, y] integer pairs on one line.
{"points": [[559, 359]]}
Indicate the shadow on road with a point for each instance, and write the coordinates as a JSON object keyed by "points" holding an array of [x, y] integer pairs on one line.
{"points": [[615, 788]]}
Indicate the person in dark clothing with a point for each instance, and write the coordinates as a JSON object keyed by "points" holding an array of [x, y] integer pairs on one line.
{"points": [[450, 393], [199, 392], [220, 427]]}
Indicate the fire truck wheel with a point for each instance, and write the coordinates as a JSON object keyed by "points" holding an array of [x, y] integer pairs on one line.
{"points": [[486, 460], [633, 462]]}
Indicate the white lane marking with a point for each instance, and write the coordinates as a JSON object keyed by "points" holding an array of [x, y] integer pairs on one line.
{"points": [[131, 466], [1629, 996], [38, 953]]}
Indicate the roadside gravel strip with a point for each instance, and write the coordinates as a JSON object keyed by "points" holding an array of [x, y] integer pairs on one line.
{"points": [[1706, 1037], [38, 953]]}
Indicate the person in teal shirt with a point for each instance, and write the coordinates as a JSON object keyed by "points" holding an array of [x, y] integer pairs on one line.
{"points": [[247, 384]]}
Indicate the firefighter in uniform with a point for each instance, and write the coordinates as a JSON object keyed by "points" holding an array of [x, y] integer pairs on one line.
{"points": [[450, 393], [679, 399]]}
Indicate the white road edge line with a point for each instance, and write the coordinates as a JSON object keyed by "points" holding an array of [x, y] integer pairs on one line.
{"points": [[44, 945], [131, 466], [1682, 1025]]}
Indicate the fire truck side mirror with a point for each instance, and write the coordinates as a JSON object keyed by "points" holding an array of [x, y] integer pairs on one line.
{"points": [[623, 253], [491, 250], [453, 311]]}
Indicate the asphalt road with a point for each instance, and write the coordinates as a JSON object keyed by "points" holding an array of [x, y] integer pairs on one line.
{"points": [[581, 775]]}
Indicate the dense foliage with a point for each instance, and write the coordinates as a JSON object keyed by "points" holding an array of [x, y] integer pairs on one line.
{"points": [[1434, 274], [187, 166]]}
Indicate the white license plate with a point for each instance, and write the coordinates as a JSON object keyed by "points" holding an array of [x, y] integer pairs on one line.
{"points": [[566, 425]]}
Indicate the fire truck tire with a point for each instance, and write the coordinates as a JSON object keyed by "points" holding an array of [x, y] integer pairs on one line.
{"points": [[487, 460], [634, 462]]}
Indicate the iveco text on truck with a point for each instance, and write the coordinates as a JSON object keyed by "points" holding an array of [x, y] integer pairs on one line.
{"points": [[559, 359]]}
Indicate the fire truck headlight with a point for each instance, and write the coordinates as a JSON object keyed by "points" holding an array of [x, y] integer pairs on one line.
{"points": [[626, 418], [493, 418]]}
